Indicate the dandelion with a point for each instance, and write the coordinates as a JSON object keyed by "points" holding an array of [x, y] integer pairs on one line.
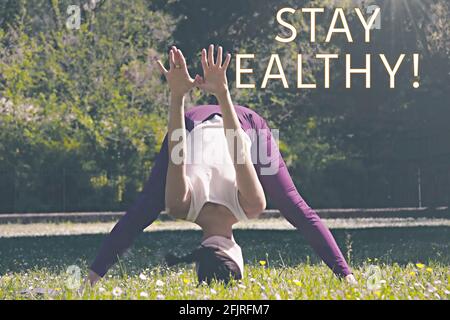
{"points": [[186, 281], [159, 283], [144, 294], [262, 263], [420, 265], [430, 270], [142, 276], [117, 292], [412, 274]]}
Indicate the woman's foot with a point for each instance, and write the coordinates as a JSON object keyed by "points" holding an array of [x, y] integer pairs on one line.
{"points": [[92, 278]]}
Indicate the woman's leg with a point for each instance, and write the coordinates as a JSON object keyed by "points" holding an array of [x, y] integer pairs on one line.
{"points": [[141, 214], [145, 210], [279, 187]]}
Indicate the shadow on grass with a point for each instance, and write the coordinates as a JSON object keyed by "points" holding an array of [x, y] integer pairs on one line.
{"points": [[388, 245]]}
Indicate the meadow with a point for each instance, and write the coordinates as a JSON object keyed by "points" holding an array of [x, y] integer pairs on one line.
{"points": [[389, 263]]}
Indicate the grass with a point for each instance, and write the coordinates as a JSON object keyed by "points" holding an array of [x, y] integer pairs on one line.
{"points": [[413, 263]]}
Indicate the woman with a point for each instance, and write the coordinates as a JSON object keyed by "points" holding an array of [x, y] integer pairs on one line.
{"points": [[212, 194]]}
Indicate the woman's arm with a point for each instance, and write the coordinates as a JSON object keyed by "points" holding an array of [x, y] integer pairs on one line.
{"points": [[177, 198], [251, 194]]}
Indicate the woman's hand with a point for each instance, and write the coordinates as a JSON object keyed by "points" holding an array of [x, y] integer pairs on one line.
{"points": [[351, 280], [180, 82], [214, 78]]}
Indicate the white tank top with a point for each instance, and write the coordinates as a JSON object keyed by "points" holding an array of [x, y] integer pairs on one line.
{"points": [[210, 171]]}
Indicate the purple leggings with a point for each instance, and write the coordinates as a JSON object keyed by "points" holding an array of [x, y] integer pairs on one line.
{"points": [[278, 187]]}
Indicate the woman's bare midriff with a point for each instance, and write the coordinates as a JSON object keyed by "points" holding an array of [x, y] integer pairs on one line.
{"points": [[216, 219]]}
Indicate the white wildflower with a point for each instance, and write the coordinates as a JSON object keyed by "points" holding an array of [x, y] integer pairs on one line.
{"points": [[142, 276], [117, 292], [159, 283]]}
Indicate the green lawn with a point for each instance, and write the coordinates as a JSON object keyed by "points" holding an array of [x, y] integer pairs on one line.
{"points": [[414, 264]]}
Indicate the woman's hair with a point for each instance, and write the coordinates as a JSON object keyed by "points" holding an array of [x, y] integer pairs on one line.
{"points": [[212, 264]]}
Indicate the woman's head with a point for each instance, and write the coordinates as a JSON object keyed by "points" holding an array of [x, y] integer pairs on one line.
{"points": [[211, 264]]}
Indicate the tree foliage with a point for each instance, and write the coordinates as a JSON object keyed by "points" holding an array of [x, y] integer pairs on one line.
{"points": [[83, 113]]}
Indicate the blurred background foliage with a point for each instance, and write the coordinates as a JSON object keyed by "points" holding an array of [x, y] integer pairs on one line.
{"points": [[83, 112]]}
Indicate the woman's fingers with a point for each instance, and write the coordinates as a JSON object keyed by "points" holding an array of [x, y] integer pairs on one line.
{"points": [[227, 61], [175, 50], [172, 59], [199, 80], [179, 58], [161, 67], [211, 55], [204, 61], [182, 59], [219, 56]]}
